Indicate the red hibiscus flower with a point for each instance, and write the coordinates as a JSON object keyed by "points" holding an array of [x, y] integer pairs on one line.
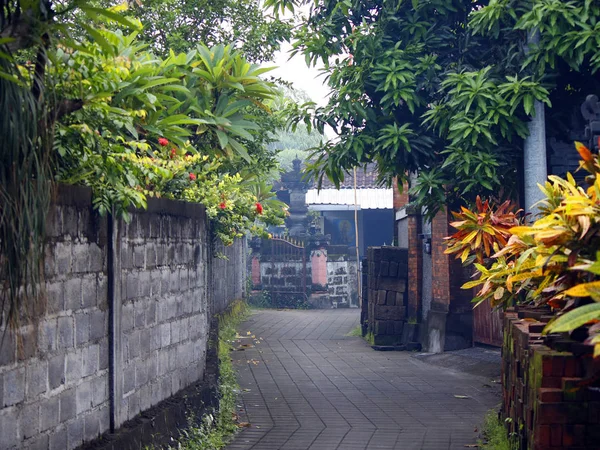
{"points": [[259, 208], [192, 176], [222, 205], [163, 142]]}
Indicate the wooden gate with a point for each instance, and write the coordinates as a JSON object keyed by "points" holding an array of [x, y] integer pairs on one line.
{"points": [[287, 260], [487, 325]]}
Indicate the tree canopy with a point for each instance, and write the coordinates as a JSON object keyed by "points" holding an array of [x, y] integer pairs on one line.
{"points": [[444, 88], [179, 25]]}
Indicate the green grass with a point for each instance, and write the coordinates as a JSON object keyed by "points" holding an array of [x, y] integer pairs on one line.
{"points": [[356, 331], [215, 430], [495, 434]]}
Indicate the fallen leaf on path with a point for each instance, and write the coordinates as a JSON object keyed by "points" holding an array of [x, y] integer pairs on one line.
{"points": [[244, 425], [472, 445], [461, 396], [246, 390]]}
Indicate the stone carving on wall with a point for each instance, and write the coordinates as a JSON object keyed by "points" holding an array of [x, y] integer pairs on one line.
{"points": [[590, 109]]}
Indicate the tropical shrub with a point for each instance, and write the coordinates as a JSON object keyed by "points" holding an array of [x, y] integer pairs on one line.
{"points": [[176, 127], [555, 260], [481, 231]]}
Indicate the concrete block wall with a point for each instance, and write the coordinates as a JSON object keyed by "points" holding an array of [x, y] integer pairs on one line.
{"points": [[54, 370], [342, 281], [143, 292], [228, 274], [164, 304]]}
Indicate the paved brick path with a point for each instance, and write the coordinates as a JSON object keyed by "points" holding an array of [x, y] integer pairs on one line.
{"points": [[309, 386]]}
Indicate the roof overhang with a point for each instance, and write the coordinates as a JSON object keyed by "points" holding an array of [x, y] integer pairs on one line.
{"points": [[376, 198]]}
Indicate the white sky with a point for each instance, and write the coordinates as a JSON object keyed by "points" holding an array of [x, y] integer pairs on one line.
{"points": [[295, 70]]}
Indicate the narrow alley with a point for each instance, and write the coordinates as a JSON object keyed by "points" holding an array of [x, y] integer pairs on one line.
{"points": [[307, 384]]}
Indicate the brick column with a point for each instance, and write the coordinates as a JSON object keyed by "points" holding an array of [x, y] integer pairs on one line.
{"points": [[415, 264], [400, 199], [450, 322], [318, 261], [441, 263], [255, 271]]}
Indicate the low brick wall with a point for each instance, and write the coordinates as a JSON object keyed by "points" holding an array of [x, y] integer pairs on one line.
{"points": [[386, 294], [124, 324], [542, 397], [326, 279]]}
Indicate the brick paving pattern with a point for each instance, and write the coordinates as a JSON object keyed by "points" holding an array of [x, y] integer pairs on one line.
{"points": [[308, 385]]}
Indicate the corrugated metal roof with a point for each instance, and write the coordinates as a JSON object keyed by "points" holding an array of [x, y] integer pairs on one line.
{"points": [[367, 198]]}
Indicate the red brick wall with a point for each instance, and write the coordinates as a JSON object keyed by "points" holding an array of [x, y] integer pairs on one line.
{"points": [[442, 264], [400, 199], [448, 273], [255, 271], [541, 394], [415, 265]]}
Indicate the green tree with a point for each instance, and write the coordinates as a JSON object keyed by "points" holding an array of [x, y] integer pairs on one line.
{"points": [[180, 25], [442, 87]]}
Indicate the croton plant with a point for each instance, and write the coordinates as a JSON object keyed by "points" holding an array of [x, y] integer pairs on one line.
{"points": [[553, 260]]}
